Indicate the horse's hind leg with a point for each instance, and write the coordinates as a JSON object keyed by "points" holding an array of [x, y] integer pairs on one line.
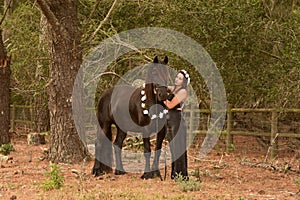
{"points": [[121, 135], [159, 140], [103, 151]]}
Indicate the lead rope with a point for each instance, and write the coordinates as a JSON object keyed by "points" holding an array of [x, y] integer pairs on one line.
{"points": [[165, 174]]}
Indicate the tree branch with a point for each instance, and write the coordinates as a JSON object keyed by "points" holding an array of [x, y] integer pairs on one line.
{"points": [[104, 20], [51, 18], [94, 10], [5, 12], [272, 55], [2, 48]]}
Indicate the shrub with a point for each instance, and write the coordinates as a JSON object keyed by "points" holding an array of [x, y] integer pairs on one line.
{"points": [[55, 180], [187, 184], [5, 149]]}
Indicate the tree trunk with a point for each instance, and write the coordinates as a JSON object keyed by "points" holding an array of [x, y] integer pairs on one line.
{"points": [[65, 56], [4, 94], [41, 110]]}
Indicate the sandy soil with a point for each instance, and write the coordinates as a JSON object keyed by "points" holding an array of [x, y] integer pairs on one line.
{"points": [[239, 175]]}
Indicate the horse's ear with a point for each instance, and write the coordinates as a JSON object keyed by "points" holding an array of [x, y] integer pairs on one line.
{"points": [[166, 60], [155, 60]]}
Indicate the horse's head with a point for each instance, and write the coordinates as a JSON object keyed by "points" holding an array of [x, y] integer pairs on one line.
{"points": [[161, 92], [157, 79]]}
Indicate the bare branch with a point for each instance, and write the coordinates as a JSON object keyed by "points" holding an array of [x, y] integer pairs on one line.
{"points": [[104, 20], [5, 12], [272, 55], [94, 10], [51, 18], [2, 47]]}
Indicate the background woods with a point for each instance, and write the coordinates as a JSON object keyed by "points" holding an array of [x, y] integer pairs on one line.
{"points": [[255, 45]]}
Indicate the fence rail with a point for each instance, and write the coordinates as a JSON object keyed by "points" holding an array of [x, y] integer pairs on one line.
{"points": [[229, 132], [21, 114]]}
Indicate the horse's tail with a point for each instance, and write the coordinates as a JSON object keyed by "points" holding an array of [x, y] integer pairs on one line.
{"points": [[103, 143], [103, 151]]}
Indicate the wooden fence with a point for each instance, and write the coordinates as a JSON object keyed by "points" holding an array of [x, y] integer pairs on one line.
{"points": [[21, 115], [228, 132], [192, 118]]}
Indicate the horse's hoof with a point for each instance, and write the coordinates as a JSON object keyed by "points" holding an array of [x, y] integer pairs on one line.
{"points": [[147, 175], [156, 173], [120, 172], [97, 172]]}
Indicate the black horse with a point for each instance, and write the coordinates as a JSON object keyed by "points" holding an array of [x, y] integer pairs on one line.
{"points": [[132, 109]]}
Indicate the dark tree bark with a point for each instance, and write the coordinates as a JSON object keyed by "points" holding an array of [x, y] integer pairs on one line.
{"points": [[4, 94], [41, 110], [65, 56]]}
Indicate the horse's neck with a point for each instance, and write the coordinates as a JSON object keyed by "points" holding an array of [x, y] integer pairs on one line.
{"points": [[149, 91]]}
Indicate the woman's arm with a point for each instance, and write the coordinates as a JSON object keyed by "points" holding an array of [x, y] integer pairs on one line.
{"points": [[179, 97]]}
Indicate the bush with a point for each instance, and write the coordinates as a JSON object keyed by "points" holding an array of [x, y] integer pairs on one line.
{"points": [[5, 149], [55, 180], [187, 184]]}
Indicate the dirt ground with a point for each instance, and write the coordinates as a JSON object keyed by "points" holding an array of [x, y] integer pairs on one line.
{"points": [[239, 175]]}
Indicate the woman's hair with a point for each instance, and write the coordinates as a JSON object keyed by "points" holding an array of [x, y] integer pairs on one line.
{"points": [[186, 79]]}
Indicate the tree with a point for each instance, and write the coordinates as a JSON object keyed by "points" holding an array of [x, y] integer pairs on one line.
{"points": [[41, 111], [65, 55], [4, 93], [4, 86]]}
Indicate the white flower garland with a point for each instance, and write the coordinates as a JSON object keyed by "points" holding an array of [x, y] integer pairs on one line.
{"points": [[146, 111]]}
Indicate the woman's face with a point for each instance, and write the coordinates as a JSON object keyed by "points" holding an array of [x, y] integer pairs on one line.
{"points": [[179, 79]]}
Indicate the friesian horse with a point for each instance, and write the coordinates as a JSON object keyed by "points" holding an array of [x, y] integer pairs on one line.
{"points": [[132, 109]]}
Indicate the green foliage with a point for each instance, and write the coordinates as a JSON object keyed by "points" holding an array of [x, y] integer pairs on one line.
{"points": [[5, 149], [255, 48], [24, 45], [231, 147], [55, 178], [251, 49], [187, 185]]}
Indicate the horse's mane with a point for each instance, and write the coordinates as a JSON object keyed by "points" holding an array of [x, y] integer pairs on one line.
{"points": [[157, 74]]}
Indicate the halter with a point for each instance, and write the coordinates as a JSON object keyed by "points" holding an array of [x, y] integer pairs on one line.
{"points": [[145, 109]]}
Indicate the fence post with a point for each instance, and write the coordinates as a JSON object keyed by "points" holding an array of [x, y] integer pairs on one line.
{"points": [[229, 137], [13, 117], [31, 125], [274, 131], [191, 122]]}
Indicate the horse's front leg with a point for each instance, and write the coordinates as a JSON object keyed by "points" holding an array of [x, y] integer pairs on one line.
{"points": [[121, 135], [147, 154], [159, 140]]}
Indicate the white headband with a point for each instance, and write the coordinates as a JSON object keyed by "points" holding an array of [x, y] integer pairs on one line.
{"points": [[186, 75]]}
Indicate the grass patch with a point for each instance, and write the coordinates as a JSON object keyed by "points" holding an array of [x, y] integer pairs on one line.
{"points": [[5, 149], [187, 185], [55, 178]]}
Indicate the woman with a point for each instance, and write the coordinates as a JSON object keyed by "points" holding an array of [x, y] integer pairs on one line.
{"points": [[176, 126]]}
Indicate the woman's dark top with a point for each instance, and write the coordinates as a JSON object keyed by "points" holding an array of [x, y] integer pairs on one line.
{"points": [[170, 97]]}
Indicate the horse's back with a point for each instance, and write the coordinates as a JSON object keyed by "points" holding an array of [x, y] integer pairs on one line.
{"points": [[115, 102]]}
